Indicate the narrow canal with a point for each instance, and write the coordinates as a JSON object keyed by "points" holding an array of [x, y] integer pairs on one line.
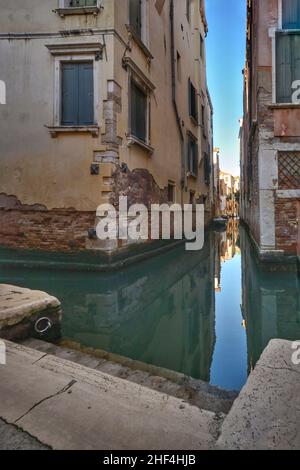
{"points": [[208, 315]]}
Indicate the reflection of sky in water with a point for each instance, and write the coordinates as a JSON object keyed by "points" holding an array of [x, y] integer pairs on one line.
{"points": [[179, 310], [229, 365]]}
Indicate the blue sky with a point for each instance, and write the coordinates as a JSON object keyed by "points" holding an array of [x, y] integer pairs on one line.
{"points": [[225, 61]]}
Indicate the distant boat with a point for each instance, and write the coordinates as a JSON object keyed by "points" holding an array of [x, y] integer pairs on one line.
{"points": [[220, 223]]}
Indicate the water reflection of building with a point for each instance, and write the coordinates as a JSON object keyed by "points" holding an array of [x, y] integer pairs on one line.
{"points": [[161, 311], [270, 303], [226, 247]]}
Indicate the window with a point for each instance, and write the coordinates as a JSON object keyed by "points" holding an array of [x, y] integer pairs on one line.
{"points": [[201, 47], [193, 101], [82, 3], [171, 192], [287, 65], [207, 169], [203, 115], [139, 111], [135, 16], [178, 67], [289, 170], [188, 10], [78, 7], [77, 94], [192, 155], [291, 14]]}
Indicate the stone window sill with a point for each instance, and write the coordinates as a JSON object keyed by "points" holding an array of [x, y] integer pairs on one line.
{"points": [[139, 42], [132, 140], [284, 106], [55, 131], [62, 12]]}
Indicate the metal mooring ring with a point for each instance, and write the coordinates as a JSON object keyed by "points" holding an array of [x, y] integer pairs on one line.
{"points": [[47, 327]]}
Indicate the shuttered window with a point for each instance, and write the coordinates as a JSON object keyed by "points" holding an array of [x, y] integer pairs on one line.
{"points": [[192, 155], [139, 110], [291, 14], [287, 65], [83, 3], [77, 101], [193, 106], [207, 169], [135, 16]]}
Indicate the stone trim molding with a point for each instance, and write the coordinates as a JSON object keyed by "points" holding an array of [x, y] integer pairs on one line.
{"points": [[128, 63], [56, 130], [76, 48], [288, 194]]}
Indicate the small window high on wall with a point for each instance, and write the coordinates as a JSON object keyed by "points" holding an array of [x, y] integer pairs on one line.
{"points": [[291, 14]]}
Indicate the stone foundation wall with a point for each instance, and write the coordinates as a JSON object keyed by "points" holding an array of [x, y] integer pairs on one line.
{"points": [[55, 230]]}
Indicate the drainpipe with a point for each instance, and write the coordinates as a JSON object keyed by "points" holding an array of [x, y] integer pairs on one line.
{"points": [[173, 69]]}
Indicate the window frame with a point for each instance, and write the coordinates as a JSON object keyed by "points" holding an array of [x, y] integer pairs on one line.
{"points": [[190, 87], [143, 39], [58, 61], [192, 139], [145, 92], [273, 32], [281, 18], [172, 184], [64, 9], [133, 139]]}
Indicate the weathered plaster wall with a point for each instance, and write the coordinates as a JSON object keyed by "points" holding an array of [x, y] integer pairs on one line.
{"points": [[267, 130], [55, 173]]}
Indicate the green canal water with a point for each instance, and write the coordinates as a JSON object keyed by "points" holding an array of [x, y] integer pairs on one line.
{"points": [[208, 315]]}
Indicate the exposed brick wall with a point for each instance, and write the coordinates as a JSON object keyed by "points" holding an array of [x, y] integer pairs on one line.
{"points": [[55, 230], [286, 225], [138, 185]]}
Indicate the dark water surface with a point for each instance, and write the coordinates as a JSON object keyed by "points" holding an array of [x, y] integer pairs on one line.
{"points": [[208, 315]]}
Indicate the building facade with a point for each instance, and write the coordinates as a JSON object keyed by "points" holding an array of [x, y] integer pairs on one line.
{"points": [[103, 98], [270, 131]]}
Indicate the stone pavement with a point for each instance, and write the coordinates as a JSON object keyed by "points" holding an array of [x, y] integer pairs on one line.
{"points": [[68, 406], [266, 414], [13, 438]]}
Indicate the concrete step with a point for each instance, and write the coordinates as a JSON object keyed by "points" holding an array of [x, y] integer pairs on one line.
{"points": [[65, 405], [195, 392]]}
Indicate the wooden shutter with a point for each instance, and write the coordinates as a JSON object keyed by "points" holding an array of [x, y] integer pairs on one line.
{"points": [[192, 155], [287, 65], [193, 101], [296, 57], [138, 112], [291, 14], [135, 14], [85, 94], [69, 106], [284, 68], [83, 3], [77, 107]]}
